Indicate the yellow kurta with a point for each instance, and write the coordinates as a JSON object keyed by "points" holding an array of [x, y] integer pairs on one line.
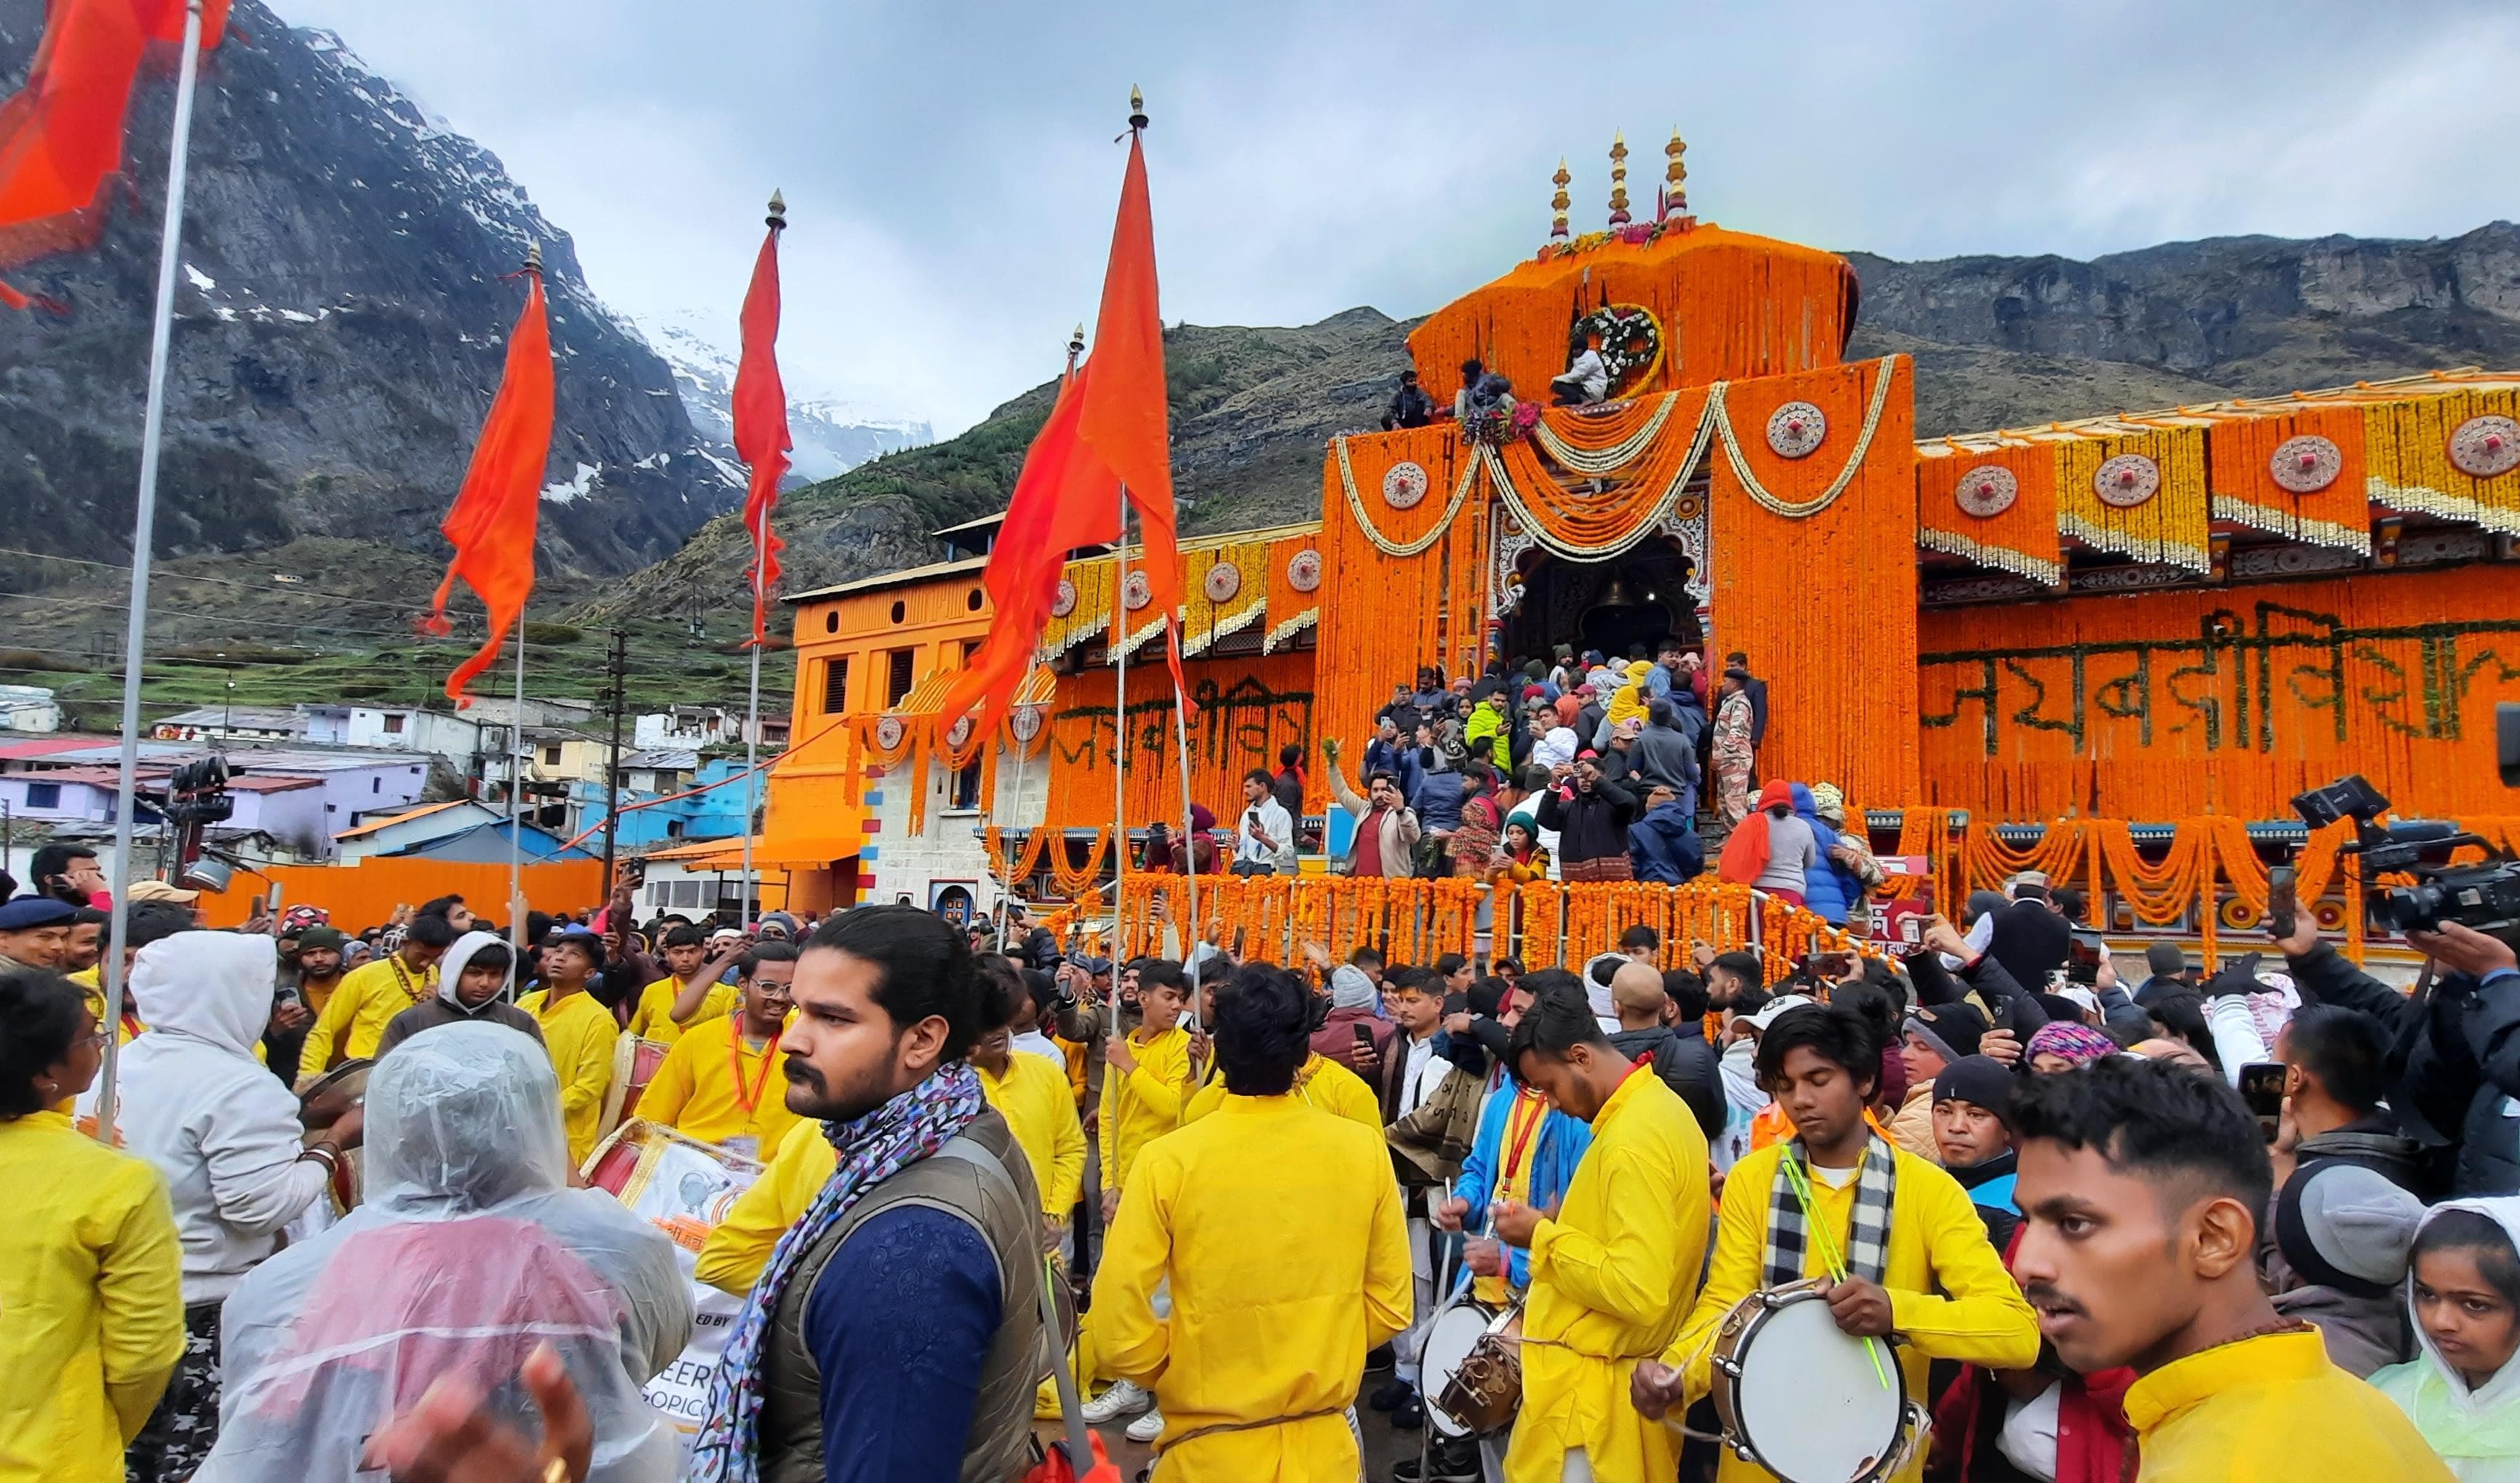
{"points": [[695, 1090], [354, 1020], [732, 1258], [2272, 1410], [91, 1302], [652, 1018], [1322, 1083], [1279, 1229], [1938, 1247], [578, 1032], [1147, 1103], [1034, 1099], [91, 982], [1611, 1279]]}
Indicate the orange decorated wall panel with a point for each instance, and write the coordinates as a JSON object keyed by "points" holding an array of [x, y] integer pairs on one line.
{"points": [[1248, 708], [2232, 700]]}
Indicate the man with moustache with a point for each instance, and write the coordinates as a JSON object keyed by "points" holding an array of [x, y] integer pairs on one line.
{"points": [[895, 1333], [2140, 1185]]}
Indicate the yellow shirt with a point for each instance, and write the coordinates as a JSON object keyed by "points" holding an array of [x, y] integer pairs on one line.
{"points": [[91, 982], [653, 1016], [1279, 1229], [91, 1302], [1033, 1098], [696, 1089], [1611, 1279], [354, 1020], [1322, 1083], [2273, 1408], [1950, 1296], [732, 1258], [578, 1032], [1147, 1103]]}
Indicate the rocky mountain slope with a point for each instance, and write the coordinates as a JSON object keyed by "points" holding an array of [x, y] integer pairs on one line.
{"points": [[339, 329]]}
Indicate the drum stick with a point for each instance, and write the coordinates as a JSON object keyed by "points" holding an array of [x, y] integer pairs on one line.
{"points": [[1829, 1259]]}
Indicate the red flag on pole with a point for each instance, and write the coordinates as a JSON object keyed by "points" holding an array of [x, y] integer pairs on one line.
{"points": [[493, 519], [61, 135], [1108, 431], [761, 415]]}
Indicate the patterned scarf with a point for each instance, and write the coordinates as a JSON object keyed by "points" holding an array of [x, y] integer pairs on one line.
{"points": [[1867, 1253], [872, 1150]]}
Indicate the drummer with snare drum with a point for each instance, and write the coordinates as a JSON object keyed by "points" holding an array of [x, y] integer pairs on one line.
{"points": [[1525, 1151], [1901, 1260], [1614, 1267]]}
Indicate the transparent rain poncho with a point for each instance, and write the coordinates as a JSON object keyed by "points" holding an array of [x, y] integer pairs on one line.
{"points": [[469, 1251]]}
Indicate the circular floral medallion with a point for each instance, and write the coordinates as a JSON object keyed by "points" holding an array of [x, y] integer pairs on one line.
{"points": [[1138, 594], [2305, 464], [2485, 446], [959, 734], [1795, 428], [1404, 484], [1987, 491], [1222, 582], [887, 731], [1304, 570], [1687, 508], [1025, 722], [1065, 603], [2329, 915], [2126, 480]]}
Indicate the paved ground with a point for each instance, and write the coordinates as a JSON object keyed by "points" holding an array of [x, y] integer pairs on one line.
{"points": [[1384, 1446]]}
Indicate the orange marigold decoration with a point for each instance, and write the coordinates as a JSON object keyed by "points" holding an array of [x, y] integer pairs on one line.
{"points": [[1992, 499], [1295, 577], [2412, 462], [1073, 880], [2137, 489], [2296, 471], [1544, 907]]}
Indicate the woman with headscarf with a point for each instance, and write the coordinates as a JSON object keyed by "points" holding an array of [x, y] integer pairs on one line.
{"points": [[1732, 752], [469, 1251], [1772, 850], [2462, 1391], [1474, 843], [1826, 889]]}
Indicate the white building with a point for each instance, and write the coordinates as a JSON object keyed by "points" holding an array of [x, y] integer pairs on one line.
{"points": [[698, 726]]}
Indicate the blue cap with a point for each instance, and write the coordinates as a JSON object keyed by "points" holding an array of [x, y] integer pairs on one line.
{"points": [[27, 913]]}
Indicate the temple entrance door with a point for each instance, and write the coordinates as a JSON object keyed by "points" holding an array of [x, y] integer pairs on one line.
{"points": [[1634, 601]]}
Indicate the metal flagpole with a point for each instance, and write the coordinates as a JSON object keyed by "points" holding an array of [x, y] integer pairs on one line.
{"points": [[1119, 750], [753, 737], [1190, 861], [170, 246], [515, 792]]}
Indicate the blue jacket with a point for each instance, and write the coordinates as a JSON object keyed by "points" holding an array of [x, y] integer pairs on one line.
{"points": [[1437, 798], [1561, 1144], [1664, 846], [1832, 889], [1401, 761]]}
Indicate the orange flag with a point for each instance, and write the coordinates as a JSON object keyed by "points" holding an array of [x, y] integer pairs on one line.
{"points": [[493, 519], [61, 135], [761, 422], [1109, 431]]}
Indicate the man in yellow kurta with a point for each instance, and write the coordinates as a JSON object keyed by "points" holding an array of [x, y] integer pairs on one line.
{"points": [[1149, 1080], [1918, 1266], [2140, 1188], [1032, 1095], [722, 1083], [690, 994], [1278, 1230], [578, 1032], [371, 995], [1613, 1269], [732, 1258]]}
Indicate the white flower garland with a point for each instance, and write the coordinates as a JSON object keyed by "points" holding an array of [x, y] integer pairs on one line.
{"points": [[2425, 500], [1607, 460], [2002, 558], [2299, 527], [1775, 504], [1280, 634], [1365, 521]]}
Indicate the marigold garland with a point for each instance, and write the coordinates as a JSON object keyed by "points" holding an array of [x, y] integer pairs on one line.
{"points": [[2407, 448], [2021, 538], [1071, 880], [2171, 527], [2240, 452]]}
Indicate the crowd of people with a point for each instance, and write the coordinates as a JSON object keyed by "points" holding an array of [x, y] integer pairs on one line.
{"points": [[2048, 1208]]}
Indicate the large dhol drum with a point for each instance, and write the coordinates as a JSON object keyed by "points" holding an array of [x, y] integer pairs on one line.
{"points": [[1471, 1370], [321, 1105], [682, 1183], [1801, 1397], [634, 1065]]}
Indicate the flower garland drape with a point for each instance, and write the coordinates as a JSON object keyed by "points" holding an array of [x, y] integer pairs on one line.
{"points": [[2406, 449], [1204, 620], [2242, 450], [1290, 608], [2171, 527], [2021, 537]]}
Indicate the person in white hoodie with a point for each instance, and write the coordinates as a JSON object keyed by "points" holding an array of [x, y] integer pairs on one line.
{"points": [[473, 980], [224, 1133], [2462, 1392]]}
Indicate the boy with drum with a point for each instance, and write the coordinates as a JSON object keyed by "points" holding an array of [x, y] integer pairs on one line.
{"points": [[1838, 1199]]}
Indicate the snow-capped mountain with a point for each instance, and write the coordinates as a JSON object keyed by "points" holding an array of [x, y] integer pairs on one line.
{"points": [[830, 437]]}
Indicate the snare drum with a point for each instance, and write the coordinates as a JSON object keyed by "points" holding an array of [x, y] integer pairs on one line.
{"points": [[634, 1065], [1471, 1370], [1800, 1397]]}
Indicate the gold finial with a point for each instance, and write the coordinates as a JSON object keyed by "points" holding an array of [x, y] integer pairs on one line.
{"points": [[1076, 339], [533, 257], [1137, 109], [777, 220], [1558, 203], [1675, 177], [1619, 179]]}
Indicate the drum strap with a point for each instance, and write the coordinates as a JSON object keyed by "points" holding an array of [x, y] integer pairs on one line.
{"points": [[1222, 1428]]}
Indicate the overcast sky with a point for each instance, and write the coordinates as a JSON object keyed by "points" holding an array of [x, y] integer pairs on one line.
{"points": [[951, 173]]}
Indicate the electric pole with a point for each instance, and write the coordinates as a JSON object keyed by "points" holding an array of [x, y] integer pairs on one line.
{"points": [[619, 671]]}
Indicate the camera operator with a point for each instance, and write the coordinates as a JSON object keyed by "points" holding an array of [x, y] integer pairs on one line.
{"points": [[2455, 1047]]}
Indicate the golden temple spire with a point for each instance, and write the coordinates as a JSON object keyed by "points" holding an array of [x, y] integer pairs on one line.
{"points": [[1675, 177], [1558, 203], [1619, 179]]}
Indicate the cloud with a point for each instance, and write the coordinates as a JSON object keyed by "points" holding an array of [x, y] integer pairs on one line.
{"points": [[951, 172]]}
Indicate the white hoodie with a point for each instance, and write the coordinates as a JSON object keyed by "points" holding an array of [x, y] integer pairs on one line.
{"points": [[214, 1121], [2477, 1432]]}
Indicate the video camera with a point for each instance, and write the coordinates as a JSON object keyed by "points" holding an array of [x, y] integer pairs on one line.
{"points": [[2485, 896]]}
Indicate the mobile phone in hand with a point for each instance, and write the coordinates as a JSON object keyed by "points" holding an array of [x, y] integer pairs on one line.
{"points": [[2282, 905], [2262, 1086]]}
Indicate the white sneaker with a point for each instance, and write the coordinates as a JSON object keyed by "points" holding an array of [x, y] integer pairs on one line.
{"points": [[1121, 1400], [1146, 1427]]}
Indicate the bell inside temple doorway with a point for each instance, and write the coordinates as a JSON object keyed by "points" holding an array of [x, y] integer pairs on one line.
{"points": [[1628, 603]]}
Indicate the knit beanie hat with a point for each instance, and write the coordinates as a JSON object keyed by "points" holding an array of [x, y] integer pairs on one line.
{"points": [[2344, 1226], [2080, 1043], [1978, 1080], [1952, 1030]]}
